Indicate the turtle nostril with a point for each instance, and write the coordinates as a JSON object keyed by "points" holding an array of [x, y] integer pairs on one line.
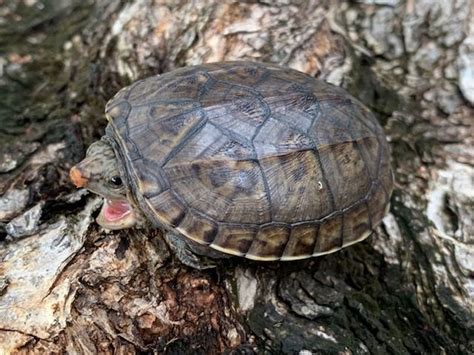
{"points": [[77, 178]]}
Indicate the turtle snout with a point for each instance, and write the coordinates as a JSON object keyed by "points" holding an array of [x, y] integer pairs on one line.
{"points": [[77, 177]]}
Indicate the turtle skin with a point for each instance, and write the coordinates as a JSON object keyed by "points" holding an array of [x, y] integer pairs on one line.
{"points": [[252, 159]]}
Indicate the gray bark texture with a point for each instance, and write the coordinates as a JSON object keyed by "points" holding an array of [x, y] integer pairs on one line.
{"points": [[67, 286]]}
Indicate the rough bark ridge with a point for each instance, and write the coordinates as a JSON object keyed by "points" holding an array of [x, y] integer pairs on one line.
{"points": [[66, 285]]}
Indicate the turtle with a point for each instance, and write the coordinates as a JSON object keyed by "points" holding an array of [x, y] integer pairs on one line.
{"points": [[240, 159]]}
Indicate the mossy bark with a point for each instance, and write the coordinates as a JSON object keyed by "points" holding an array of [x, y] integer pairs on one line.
{"points": [[66, 285]]}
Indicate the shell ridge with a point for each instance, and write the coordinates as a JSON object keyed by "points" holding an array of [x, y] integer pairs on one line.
{"points": [[341, 233], [366, 202], [290, 238], [232, 135], [286, 243], [160, 174], [177, 148], [258, 94], [206, 87], [364, 158], [266, 188], [263, 104], [245, 255], [315, 151], [316, 239], [187, 208]]}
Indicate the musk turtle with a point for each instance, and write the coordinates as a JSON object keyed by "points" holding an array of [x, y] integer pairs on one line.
{"points": [[243, 158]]}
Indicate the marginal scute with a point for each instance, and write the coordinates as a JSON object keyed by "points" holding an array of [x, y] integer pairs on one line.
{"points": [[118, 113], [198, 228], [329, 236], [150, 183], [234, 239], [301, 242], [356, 223], [252, 159], [377, 201], [269, 243], [168, 208]]}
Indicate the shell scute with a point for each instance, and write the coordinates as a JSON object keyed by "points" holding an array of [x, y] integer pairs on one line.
{"points": [[170, 209], [199, 228], [297, 187], [346, 172], [234, 238], [301, 242], [329, 237], [356, 224], [229, 191], [235, 109], [269, 243]]}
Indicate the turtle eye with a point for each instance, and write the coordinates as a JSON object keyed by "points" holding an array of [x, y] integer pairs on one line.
{"points": [[116, 181]]}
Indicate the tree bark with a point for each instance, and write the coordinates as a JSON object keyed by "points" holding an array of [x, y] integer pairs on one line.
{"points": [[66, 285]]}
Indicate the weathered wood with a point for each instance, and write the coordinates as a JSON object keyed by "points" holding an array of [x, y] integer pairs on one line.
{"points": [[67, 285]]}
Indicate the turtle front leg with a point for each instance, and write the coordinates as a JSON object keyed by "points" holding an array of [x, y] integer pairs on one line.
{"points": [[185, 254]]}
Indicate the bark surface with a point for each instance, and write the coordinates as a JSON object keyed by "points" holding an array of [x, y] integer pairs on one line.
{"points": [[68, 286]]}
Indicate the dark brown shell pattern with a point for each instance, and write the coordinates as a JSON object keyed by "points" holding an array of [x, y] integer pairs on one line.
{"points": [[252, 159]]}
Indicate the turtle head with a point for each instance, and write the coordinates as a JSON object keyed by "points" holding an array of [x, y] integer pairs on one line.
{"points": [[99, 173]]}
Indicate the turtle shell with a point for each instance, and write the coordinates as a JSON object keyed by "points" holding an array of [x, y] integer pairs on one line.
{"points": [[252, 159]]}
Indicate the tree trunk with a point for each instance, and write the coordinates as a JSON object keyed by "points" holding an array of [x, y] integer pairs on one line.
{"points": [[68, 286]]}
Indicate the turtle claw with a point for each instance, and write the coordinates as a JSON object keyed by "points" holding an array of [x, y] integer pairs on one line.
{"points": [[186, 256]]}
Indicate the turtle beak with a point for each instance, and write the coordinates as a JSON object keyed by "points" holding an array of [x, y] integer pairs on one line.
{"points": [[77, 177]]}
